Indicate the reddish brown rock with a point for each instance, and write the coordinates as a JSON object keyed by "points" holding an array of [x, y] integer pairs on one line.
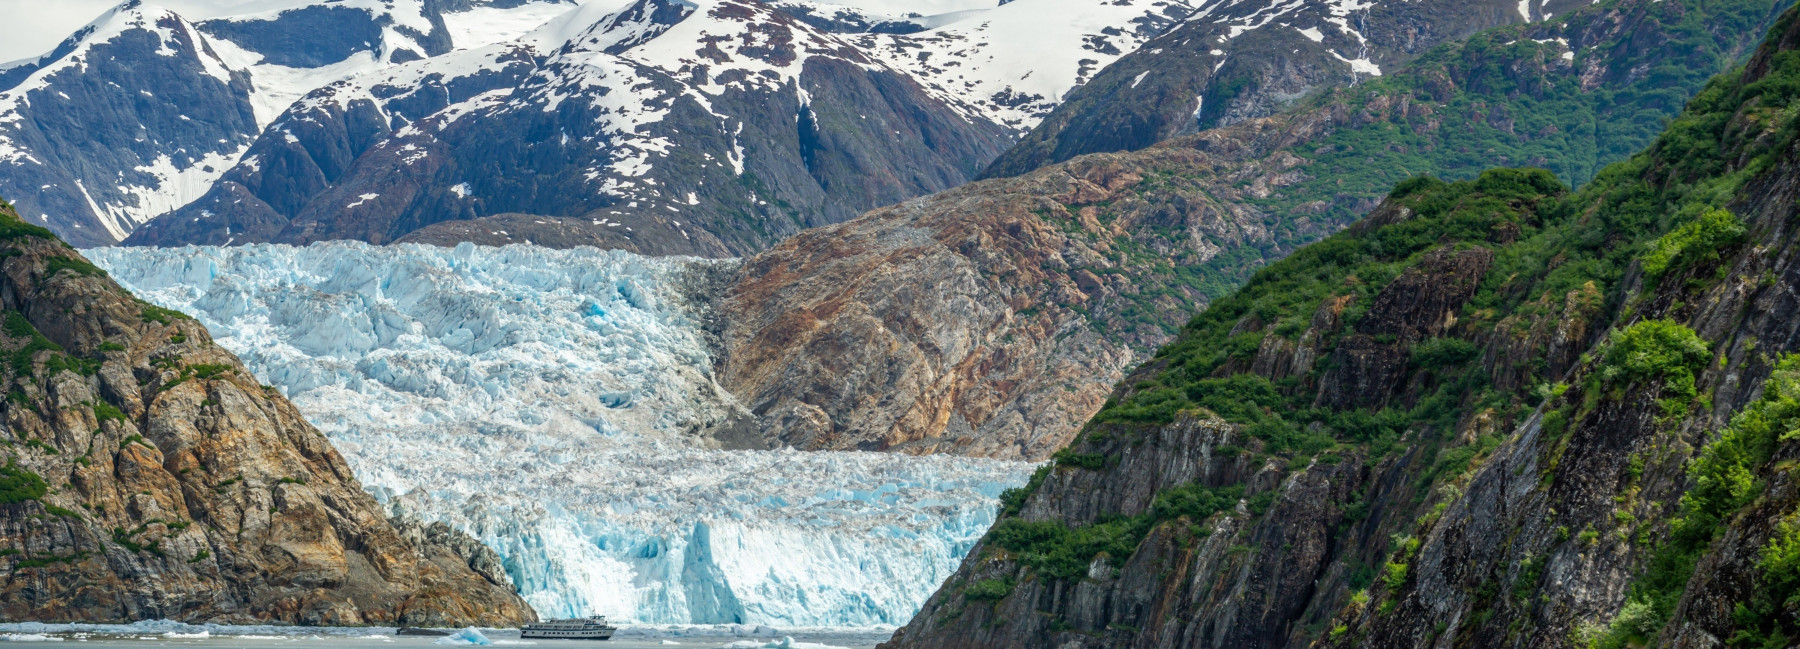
{"points": [[179, 488]]}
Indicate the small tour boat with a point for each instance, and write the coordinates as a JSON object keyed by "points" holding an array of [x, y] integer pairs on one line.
{"points": [[587, 628]]}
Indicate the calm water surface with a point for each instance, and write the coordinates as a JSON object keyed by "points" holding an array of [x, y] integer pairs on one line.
{"points": [[383, 639]]}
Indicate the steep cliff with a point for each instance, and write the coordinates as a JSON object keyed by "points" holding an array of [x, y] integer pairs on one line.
{"points": [[1651, 499], [1491, 414], [994, 318], [148, 475]]}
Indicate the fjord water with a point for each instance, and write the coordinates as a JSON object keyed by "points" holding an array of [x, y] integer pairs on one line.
{"points": [[383, 642], [165, 634], [547, 401]]}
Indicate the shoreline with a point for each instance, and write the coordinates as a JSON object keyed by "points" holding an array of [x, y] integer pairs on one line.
{"points": [[175, 630]]}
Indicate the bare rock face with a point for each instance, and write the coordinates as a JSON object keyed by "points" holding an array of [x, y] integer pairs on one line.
{"points": [[149, 476], [971, 321], [1421, 303]]}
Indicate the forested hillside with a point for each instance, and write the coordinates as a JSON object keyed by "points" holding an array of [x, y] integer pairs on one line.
{"points": [[1493, 413]]}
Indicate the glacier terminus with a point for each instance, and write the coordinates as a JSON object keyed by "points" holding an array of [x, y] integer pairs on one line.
{"points": [[549, 403]]}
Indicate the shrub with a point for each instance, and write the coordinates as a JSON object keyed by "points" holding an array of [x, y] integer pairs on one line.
{"points": [[1658, 350], [76, 265], [13, 228], [989, 589], [1760, 621], [208, 370], [1013, 500], [1059, 551], [1443, 352], [104, 412], [17, 326], [1090, 461], [1698, 240], [151, 313], [18, 485], [1395, 575], [1724, 479]]}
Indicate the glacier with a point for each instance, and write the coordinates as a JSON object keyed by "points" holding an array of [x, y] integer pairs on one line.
{"points": [[551, 403]]}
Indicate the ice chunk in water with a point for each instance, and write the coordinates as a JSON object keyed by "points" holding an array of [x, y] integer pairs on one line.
{"points": [[469, 636]]}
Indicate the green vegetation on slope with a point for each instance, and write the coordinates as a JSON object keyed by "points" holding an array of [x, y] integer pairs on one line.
{"points": [[1056, 550], [1724, 482], [1557, 258], [1506, 96], [18, 485]]}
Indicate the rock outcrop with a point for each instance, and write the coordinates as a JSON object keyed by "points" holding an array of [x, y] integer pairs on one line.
{"points": [[148, 475]]}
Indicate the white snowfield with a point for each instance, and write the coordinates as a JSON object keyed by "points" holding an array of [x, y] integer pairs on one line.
{"points": [[546, 402], [1015, 62]]}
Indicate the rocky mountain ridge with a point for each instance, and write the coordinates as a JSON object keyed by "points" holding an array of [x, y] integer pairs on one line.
{"points": [[232, 70], [149, 476], [1234, 62], [709, 129], [993, 319], [139, 111], [1493, 413], [868, 105]]}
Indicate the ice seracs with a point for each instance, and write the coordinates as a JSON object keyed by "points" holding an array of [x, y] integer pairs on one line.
{"points": [[551, 403]]}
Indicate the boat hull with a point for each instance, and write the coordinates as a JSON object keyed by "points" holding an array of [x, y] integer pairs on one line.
{"points": [[566, 634]]}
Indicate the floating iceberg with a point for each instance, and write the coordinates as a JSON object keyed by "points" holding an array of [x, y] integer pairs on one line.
{"points": [[469, 636], [550, 403], [784, 643]]}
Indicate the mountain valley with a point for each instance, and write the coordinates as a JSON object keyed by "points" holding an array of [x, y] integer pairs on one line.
{"points": [[1039, 323]]}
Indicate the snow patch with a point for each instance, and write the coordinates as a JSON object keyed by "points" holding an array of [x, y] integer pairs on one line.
{"points": [[487, 25], [1014, 63]]}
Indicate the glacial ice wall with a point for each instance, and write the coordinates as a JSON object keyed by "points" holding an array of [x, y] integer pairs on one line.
{"points": [[546, 402]]}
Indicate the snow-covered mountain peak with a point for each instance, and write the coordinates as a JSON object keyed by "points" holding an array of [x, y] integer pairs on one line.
{"points": [[174, 34], [728, 43], [147, 30]]}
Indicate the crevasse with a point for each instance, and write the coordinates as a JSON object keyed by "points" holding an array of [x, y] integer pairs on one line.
{"points": [[546, 402]]}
